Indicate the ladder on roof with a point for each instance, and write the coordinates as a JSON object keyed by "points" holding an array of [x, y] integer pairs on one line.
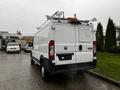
{"points": [[59, 15], [56, 15]]}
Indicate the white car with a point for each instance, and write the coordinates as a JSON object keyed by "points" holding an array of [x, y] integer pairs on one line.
{"points": [[28, 48], [13, 47], [64, 45]]}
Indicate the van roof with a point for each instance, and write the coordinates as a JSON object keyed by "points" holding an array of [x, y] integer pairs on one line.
{"points": [[69, 20]]}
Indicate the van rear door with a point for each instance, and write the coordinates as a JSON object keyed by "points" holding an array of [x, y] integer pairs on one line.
{"points": [[65, 39], [84, 44]]}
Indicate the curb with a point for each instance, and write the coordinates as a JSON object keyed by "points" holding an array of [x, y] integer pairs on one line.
{"points": [[112, 81]]}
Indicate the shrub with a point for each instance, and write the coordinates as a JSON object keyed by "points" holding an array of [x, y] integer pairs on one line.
{"points": [[115, 49]]}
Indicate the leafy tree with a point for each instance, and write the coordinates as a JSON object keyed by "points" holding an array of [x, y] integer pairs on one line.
{"points": [[99, 37], [110, 39]]}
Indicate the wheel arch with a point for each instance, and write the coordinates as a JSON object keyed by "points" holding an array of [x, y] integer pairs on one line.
{"points": [[41, 59]]}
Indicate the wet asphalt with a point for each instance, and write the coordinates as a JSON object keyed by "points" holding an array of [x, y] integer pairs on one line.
{"points": [[16, 73]]}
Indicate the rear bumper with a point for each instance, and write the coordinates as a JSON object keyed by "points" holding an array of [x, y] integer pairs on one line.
{"points": [[56, 69], [13, 50], [27, 50]]}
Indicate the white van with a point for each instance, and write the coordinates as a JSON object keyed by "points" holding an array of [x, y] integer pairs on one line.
{"points": [[64, 45]]}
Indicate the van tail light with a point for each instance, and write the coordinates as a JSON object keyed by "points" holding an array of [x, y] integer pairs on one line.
{"points": [[94, 50], [51, 52]]}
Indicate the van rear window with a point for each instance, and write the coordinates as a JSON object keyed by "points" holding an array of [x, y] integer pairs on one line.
{"points": [[85, 34]]}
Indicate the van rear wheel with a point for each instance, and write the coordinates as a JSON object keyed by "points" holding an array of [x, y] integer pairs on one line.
{"points": [[32, 62], [44, 73]]}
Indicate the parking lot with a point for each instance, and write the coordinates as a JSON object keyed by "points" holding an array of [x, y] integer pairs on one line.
{"points": [[16, 73]]}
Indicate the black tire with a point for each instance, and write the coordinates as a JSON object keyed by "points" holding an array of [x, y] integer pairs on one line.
{"points": [[44, 74], [32, 62], [31, 59]]}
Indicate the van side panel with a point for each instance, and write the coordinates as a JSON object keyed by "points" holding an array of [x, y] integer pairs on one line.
{"points": [[41, 40]]}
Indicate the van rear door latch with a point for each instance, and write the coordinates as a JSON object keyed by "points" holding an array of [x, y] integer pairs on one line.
{"points": [[80, 47]]}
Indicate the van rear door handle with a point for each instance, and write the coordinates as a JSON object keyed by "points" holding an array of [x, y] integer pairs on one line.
{"points": [[80, 47]]}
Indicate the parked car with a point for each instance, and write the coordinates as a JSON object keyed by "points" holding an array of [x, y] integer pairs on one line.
{"points": [[28, 47], [64, 45], [13, 47]]}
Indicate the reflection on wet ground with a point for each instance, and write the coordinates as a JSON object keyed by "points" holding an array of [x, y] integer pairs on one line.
{"points": [[16, 73]]}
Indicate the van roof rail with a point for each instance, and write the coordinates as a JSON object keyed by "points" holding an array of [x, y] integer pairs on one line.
{"points": [[60, 16]]}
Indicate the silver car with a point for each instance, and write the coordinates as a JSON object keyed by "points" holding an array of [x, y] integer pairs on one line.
{"points": [[13, 47], [28, 47]]}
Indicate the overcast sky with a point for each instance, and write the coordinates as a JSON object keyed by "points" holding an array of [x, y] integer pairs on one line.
{"points": [[26, 15]]}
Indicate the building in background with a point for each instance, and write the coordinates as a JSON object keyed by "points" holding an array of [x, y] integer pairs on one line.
{"points": [[118, 35], [25, 40], [3, 37], [6, 37], [4, 34]]}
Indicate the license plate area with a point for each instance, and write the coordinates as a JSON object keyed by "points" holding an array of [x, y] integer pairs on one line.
{"points": [[13, 48], [65, 56]]}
